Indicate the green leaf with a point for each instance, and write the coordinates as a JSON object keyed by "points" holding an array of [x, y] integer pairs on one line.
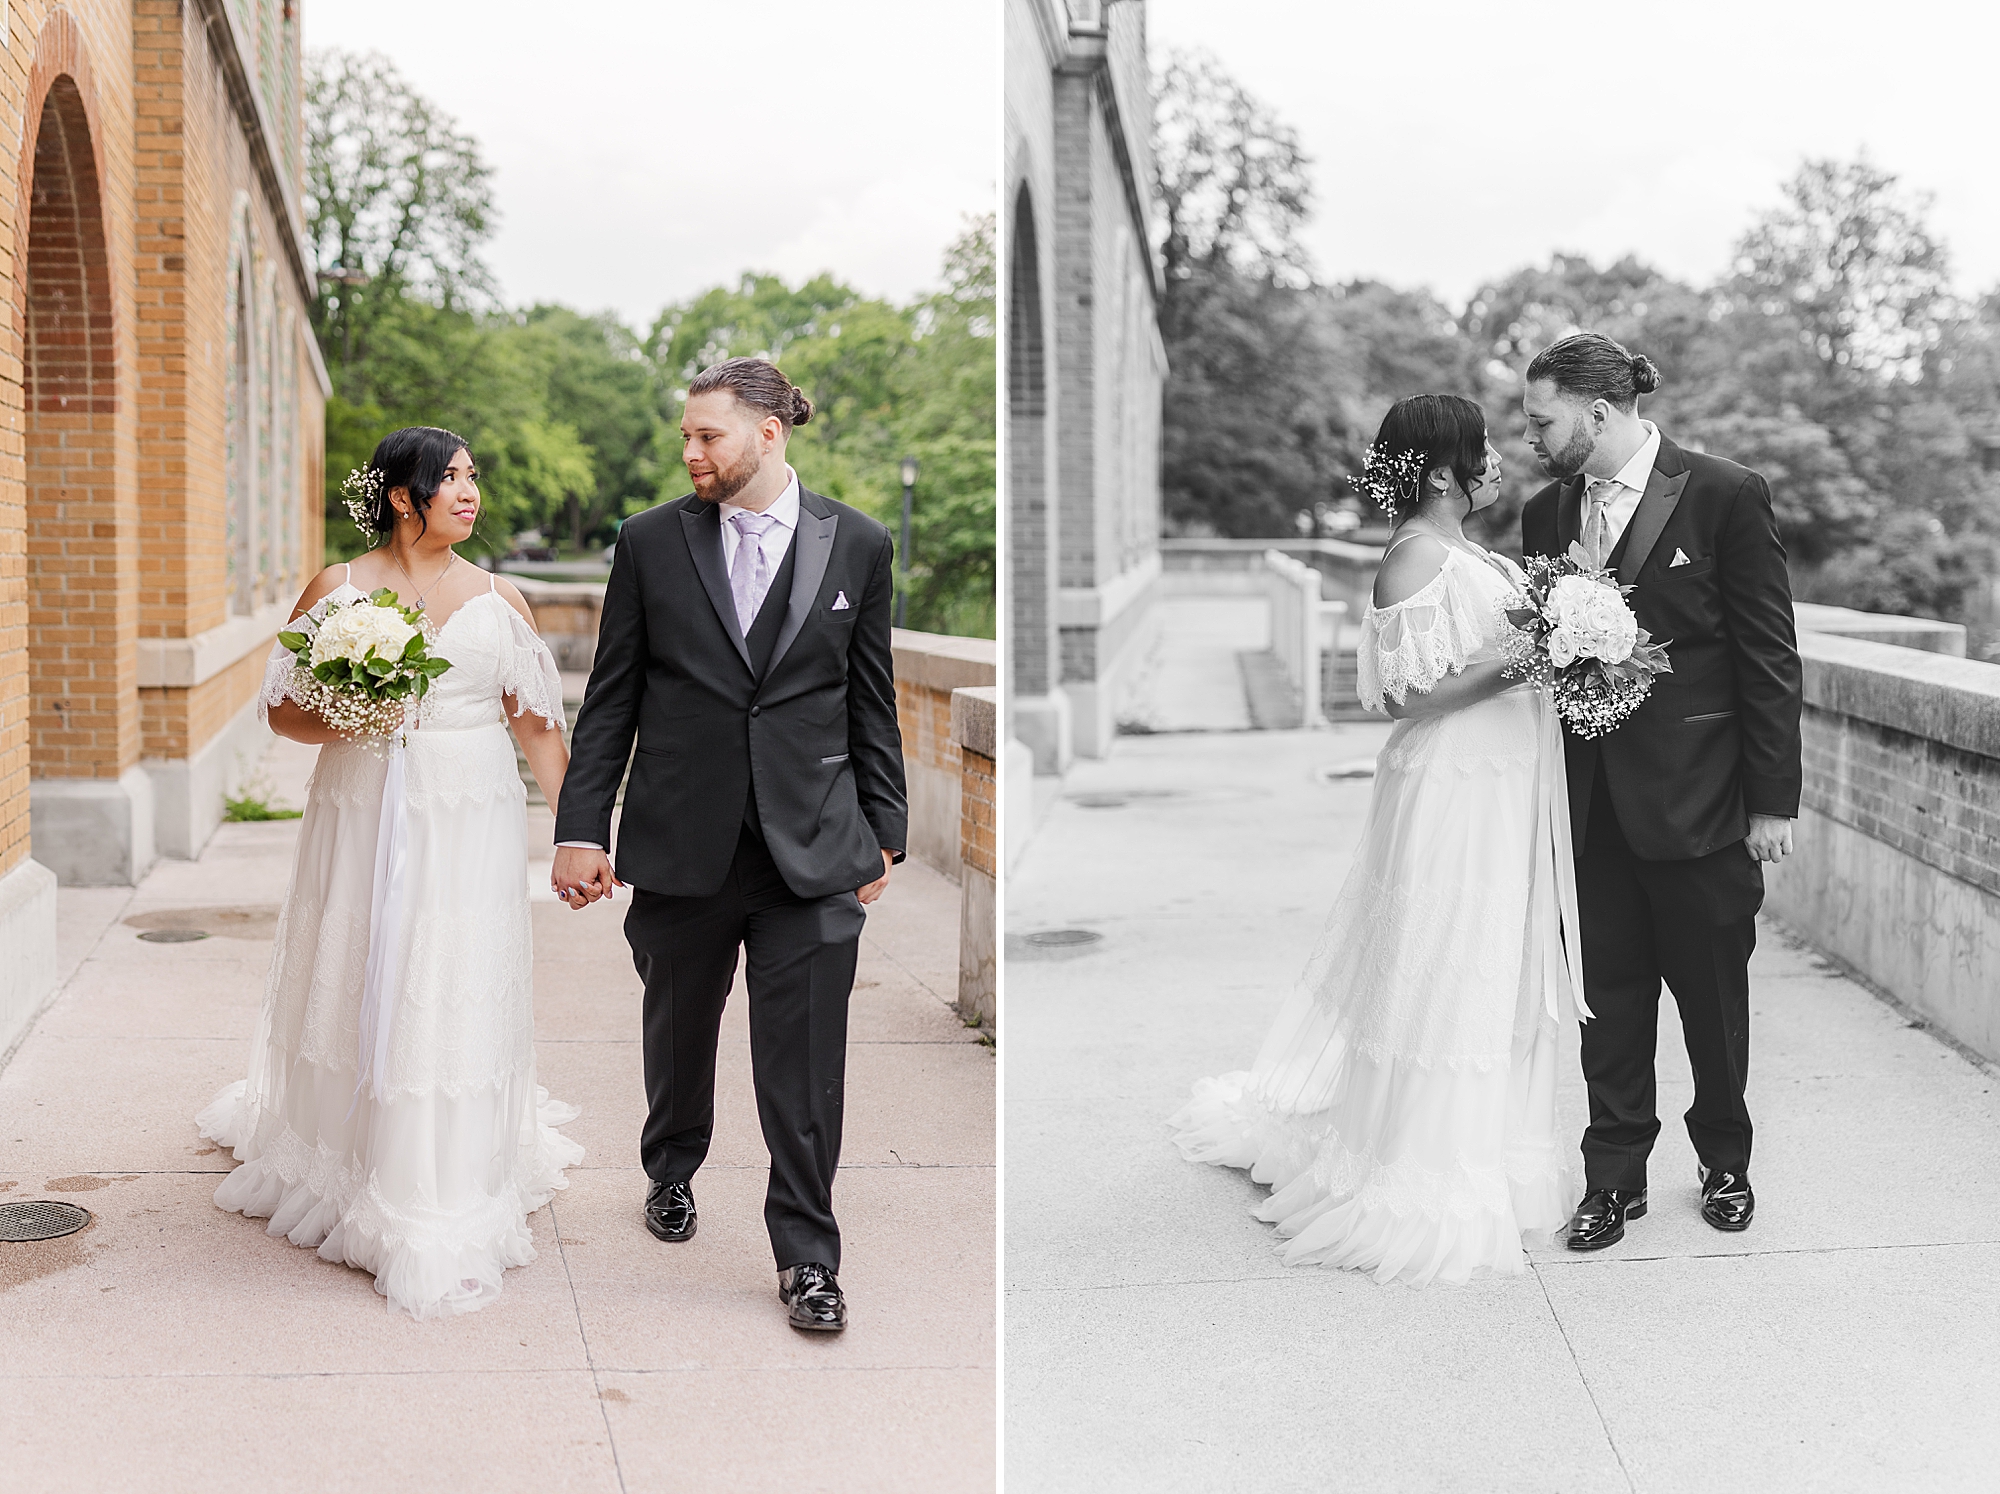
{"points": [[293, 642]]}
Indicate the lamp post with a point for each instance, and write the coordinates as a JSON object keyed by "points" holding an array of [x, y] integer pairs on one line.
{"points": [[903, 550]]}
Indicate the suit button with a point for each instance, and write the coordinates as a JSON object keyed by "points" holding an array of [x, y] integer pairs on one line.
{"points": [[756, 710]]}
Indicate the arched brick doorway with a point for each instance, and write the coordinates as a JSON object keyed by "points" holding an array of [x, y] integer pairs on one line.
{"points": [[76, 715], [91, 805], [1033, 641]]}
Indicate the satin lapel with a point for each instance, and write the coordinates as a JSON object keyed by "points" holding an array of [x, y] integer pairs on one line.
{"points": [[1655, 508], [703, 527], [814, 544], [1569, 515]]}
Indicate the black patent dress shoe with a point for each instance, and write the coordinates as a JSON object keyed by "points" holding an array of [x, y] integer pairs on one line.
{"points": [[1726, 1199], [670, 1212], [813, 1295], [1600, 1219]]}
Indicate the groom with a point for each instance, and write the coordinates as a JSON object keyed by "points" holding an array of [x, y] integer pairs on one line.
{"points": [[1674, 813], [745, 646]]}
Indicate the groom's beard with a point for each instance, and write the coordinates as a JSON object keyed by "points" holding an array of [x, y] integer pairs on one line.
{"points": [[729, 481], [1565, 464]]}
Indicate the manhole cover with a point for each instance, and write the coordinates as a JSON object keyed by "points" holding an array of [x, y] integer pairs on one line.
{"points": [[248, 921], [1354, 767], [1063, 938], [1053, 944], [1119, 798], [172, 936], [40, 1219]]}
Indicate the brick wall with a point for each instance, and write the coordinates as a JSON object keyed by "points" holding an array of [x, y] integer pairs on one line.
{"points": [[112, 388], [978, 820], [1897, 871], [929, 667], [975, 712]]}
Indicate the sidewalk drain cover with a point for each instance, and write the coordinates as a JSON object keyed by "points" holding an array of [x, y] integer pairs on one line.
{"points": [[1119, 798], [173, 936], [40, 1219], [1354, 767], [1063, 938]]}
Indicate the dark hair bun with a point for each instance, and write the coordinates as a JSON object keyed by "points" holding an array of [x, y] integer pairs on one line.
{"points": [[1645, 374], [802, 408]]}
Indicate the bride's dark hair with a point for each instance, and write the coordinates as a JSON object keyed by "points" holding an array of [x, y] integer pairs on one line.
{"points": [[415, 458], [1419, 435]]}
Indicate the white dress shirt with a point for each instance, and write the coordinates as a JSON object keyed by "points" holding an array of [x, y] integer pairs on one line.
{"points": [[777, 540], [1626, 489]]}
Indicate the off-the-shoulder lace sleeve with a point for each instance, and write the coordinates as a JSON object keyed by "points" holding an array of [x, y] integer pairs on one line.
{"points": [[277, 686], [528, 672], [1413, 644]]}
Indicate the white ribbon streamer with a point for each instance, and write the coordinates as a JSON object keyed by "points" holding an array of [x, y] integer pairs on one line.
{"points": [[1561, 974], [385, 922]]}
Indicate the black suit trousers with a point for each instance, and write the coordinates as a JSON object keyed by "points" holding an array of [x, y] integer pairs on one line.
{"points": [[800, 955], [1692, 924]]}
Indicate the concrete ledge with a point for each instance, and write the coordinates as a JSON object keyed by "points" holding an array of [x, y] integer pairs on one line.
{"points": [[939, 661], [93, 832], [28, 935], [1096, 606], [978, 969], [188, 792], [975, 714], [1954, 701], [1929, 939], [1881, 627], [182, 663]]}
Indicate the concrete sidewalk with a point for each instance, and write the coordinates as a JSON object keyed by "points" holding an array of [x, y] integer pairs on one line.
{"points": [[1849, 1340], [171, 1346]]}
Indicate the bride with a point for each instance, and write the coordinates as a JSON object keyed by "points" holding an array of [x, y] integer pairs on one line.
{"points": [[407, 918], [1403, 1105]]}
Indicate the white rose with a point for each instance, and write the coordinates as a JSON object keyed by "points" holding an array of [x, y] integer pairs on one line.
{"points": [[1619, 638], [1604, 610], [353, 632], [1570, 597], [1562, 648]]}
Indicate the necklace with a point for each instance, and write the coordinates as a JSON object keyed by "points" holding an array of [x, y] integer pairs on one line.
{"points": [[418, 604]]}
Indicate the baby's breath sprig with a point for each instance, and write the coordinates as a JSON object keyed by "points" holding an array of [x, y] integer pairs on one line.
{"points": [[361, 485], [1393, 481]]}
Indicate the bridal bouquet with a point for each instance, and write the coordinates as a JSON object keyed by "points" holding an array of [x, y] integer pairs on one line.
{"points": [[361, 664], [1574, 631]]}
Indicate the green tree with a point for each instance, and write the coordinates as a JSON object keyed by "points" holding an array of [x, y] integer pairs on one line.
{"points": [[398, 205], [885, 382]]}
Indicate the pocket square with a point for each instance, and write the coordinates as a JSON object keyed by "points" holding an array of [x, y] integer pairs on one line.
{"points": [[840, 603], [1680, 558]]}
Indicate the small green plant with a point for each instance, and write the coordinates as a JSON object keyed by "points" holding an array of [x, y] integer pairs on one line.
{"points": [[248, 808]]}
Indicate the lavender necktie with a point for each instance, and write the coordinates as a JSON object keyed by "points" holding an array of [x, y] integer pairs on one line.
{"points": [[1597, 523], [750, 577]]}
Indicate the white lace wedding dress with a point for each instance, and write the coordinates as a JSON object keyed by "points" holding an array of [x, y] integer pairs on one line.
{"points": [[419, 1160], [1403, 1105]]}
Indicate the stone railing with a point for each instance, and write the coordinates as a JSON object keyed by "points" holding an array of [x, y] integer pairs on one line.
{"points": [[1297, 634], [1897, 871], [975, 715], [945, 702], [566, 615]]}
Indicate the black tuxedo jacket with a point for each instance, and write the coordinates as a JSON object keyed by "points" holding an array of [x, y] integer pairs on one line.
{"points": [[1718, 739], [813, 733]]}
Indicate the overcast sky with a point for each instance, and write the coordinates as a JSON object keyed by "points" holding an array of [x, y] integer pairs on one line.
{"points": [[1489, 136], [645, 150]]}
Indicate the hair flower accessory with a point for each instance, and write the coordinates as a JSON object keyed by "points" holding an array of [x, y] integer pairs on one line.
{"points": [[1393, 481], [361, 487]]}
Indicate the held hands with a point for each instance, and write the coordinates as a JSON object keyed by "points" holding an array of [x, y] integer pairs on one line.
{"points": [[581, 875], [876, 888], [1770, 838]]}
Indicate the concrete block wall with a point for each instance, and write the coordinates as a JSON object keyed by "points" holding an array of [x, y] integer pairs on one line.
{"points": [[929, 667], [1897, 871], [975, 716]]}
